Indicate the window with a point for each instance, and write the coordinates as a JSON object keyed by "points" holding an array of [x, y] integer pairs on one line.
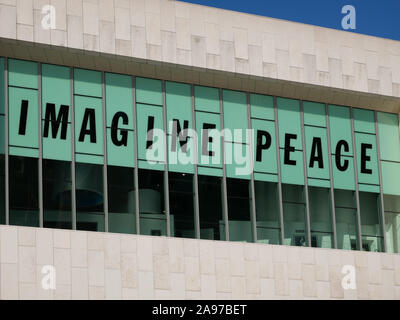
{"points": [[212, 225], [239, 202], [2, 191], [89, 197], [392, 223], [346, 220], [294, 215], [153, 219], [121, 200], [24, 195], [371, 226], [320, 217], [57, 186], [182, 205], [267, 212]]}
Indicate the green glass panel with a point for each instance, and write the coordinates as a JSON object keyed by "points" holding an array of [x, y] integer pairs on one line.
{"points": [[82, 107], [123, 156], [151, 165], [179, 107], [318, 183], [316, 168], [390, 178], [22, 74], [268, 161], [364, 120], [207, 171], [157, 151], [56, 89], [265, 177], [2, 86], [340, 128], [292, 174], [57, 149], [389, 140], [368, 188], [206, 99], [149, 91], [88, 158], [262, 107], [235, 114], [363, 164], [289, 122], [87, 83], [343, 179], [24, 152], [237, 160], [119, 98], [314, 114], [207, 120], [29, 138]]}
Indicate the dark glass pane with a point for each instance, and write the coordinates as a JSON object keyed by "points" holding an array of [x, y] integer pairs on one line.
{"points": [[89, 197], [320, 217], [181, 205], [2, 191], [212, 224], [346, 220], [24, 195], [57, 186], [153, 220], [121, 200], [267, 212], [294, 215], [239, 202], [371, 225]]}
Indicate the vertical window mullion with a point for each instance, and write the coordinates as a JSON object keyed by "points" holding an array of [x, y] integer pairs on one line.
{"points": [[382, 203], [279, 172], [73, 178], [6, 153], [252, 192], [105, 177], [331, 178], [166, 180], [224, 188], [136, 171], [195, 176], [359, 235], [40, 162]]}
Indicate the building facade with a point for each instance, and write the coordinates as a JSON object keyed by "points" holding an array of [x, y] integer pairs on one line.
{"points": [[158, 149]]}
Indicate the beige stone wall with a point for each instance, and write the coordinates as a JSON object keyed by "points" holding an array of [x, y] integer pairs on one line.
{"points": [[184, 42], [93, 265]]}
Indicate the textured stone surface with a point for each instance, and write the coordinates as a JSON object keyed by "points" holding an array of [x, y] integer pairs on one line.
{"points": [[112, 266], [152, 38]]}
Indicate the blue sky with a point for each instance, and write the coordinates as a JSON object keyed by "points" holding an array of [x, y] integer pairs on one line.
{"points": [[379, 18]]}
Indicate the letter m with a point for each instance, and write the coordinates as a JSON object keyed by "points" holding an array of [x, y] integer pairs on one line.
{"points": [[50, 119]]}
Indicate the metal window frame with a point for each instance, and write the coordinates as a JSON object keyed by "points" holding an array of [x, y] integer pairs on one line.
{"points": [[332, 189], [73, 169], [195, 176], [278, 155], [382, 202], [135, 147], [303, 142], [359, 235], [105, 176], [166, 179], [40, 160], [224, 188], [252, 192], [6, 138]]}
